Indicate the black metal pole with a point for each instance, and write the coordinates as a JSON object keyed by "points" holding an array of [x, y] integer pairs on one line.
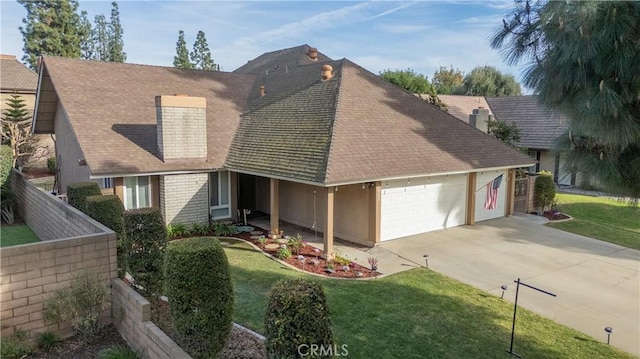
{"points": [[513, 325]]}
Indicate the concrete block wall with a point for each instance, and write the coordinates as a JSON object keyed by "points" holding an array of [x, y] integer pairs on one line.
{"points": [[30, 273], [49, 217], [132, 316], [185, 198]]}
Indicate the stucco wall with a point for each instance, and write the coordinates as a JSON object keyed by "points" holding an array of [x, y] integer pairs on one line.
{"points": [[185, 198], [68, 149]]}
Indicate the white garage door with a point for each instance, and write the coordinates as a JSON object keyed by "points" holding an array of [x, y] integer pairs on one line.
{"points": [[421, 205], [485, 209]]}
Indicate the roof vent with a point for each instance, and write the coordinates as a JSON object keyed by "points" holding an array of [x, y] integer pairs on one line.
{"points": [[327, 72], [262, 91], [313, 53]]}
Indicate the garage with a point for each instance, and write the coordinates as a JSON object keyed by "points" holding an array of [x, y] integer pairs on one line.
{"points": [[418, 205], [491, 195]]}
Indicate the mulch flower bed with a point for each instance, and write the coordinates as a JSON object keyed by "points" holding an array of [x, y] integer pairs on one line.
{"points": [[554, 215], [308, 258]]}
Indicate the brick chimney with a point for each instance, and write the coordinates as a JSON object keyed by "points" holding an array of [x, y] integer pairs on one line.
{"points": [[313, 53], [479, 119], [181, 127], [327, 72]]}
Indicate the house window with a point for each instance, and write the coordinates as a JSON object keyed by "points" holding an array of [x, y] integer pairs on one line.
{"points": [[107, 183], [137, 192], [535, 168], [219, 195]]}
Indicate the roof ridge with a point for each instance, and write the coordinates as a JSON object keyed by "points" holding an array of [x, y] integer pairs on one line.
{"points": [[333, 120]]}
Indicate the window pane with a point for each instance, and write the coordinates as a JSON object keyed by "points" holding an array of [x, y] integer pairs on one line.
{"points": [[213, 188], [224, 187], [130, 192], [220, 213], [143, 192]]}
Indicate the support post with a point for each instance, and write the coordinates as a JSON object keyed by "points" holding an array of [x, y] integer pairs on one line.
{"points": [[375, 201], [511, 192], [274, 203], [328, 226], [471, 198]]}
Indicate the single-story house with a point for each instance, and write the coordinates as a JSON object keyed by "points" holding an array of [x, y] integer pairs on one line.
{"points": [[312, 141], [539, 126], [17, 79]]}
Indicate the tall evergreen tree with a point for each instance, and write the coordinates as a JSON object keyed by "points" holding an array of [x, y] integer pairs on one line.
{"points": [[582, 59], [100, 36], [86, 39], [51, 28], [488, 81], [181, 60], [201, 55], [116, 43], [16, 131]]}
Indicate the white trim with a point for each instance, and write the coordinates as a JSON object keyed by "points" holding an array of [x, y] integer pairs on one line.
{"points": [[220, 206], [35, 108], [137, 204], [161, 173], [277, 177]]}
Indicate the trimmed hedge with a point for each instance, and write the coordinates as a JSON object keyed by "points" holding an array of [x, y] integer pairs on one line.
{"points": [[145, 241], [78, 192], [297, 314], [109, 211], [544, 191], [200, 294]]}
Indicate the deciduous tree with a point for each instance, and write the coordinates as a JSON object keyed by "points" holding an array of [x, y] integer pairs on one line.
{"points": [[447, 80], [415, 83], [582, 60], [488, 81]]}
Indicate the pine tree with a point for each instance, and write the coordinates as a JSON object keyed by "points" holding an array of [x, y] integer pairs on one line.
{"points": [[86, 39], [100, 36], [201, 55], [181, 60], [16, 130], [582, 60], [51, 28], [115, 47]]}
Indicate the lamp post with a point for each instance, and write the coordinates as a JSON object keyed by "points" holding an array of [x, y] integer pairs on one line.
{"points": [[608, 330], [426, 260]]}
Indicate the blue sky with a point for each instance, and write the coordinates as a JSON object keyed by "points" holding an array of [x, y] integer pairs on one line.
{"points": [[421, 35]]}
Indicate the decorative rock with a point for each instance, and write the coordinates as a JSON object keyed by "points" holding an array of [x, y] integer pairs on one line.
{"points": [[282, 241], [254, 237], [272, 247], [256, 233]]}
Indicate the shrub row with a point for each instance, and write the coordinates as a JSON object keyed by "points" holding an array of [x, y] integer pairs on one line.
{"points": [[78, 192]]}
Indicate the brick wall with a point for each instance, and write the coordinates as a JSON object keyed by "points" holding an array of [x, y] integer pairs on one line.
{"points": [[30, 273], [185, 198], [49, 217], [181, 126], [132, 317]]}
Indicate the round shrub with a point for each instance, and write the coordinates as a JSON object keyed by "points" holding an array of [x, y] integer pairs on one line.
{"points": [[145, 241], [200, 295], [296, 314], [544, 190], [78, 192], [108, 210]]}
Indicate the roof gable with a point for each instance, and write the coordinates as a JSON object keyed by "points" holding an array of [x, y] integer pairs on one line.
{"points": [[16, 77]]}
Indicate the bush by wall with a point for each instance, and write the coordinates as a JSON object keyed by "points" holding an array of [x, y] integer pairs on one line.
{"points": [[145, 241], [200, 295], [51, 165], [109, 211], [544, 190], [297, 314], [78, 192], [6, 162]]}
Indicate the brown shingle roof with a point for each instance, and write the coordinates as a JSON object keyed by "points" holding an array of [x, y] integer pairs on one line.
{"points": [[16, 77], [462, 106], [112, 110], [538, 125]]}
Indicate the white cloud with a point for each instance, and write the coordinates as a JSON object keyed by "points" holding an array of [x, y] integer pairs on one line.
{"points": [[403, 29]]}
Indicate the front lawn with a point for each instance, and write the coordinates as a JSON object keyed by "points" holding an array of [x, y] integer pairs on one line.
{"points": [[16, 234], [414, 314], [601, 218]]}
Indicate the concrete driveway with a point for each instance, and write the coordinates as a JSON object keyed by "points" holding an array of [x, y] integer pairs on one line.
{"points": [[596, 283]]}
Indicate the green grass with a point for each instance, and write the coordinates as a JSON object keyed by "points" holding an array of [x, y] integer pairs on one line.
{"points": [[16, 234], [600, 218], [414, 314]]}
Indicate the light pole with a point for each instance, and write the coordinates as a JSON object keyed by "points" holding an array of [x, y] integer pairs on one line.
{"points": [[504, 288], [608, 330]]}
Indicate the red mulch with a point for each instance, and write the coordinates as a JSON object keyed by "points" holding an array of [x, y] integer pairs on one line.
{"points": [[311, 255], [37, 172], [554, 216]]}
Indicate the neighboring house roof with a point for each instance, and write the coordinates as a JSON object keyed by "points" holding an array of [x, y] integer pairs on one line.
{"points": [[16, 77], [111, 107], [462, 106], [538, 125], [353, 127]]}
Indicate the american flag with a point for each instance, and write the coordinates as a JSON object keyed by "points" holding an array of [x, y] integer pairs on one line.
{"points": [[491, 199]]}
